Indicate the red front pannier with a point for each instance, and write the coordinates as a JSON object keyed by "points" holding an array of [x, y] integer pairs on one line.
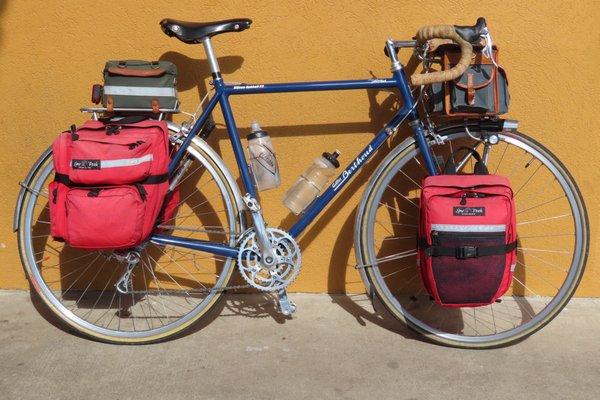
{"points": [[467, 238], [110, 183]]}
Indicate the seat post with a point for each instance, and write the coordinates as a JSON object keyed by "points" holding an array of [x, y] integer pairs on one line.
{"points": [[212, 59]]}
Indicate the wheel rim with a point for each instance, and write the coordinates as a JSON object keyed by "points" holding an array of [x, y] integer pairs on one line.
{"points": [[426, 324], [152, 271]]}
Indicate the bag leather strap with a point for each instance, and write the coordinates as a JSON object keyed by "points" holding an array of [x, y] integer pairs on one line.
{"points": [[155, 105], [478, 86], [450, 166], [110, 104], [470, 90], [141, 73]]}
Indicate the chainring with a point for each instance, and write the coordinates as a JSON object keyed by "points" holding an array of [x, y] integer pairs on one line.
{"points": [[287, 261]]}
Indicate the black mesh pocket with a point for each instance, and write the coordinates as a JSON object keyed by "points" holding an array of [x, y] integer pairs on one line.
{"points": [[473, 280]]}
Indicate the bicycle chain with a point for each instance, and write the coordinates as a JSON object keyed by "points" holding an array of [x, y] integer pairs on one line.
{"points": [[213, 290]]}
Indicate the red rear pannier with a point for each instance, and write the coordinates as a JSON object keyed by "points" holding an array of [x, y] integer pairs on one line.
{"points": [[110, 182], [467, 238]]}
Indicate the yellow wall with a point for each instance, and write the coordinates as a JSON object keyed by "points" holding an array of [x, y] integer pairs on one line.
{"points": [[52, 51]]}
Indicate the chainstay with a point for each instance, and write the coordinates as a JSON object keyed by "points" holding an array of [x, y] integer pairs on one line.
{"points": [[189, 292]]}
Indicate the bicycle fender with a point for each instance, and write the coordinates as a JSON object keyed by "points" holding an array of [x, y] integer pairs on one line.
{"points": [[26, 182], [409, 141]]}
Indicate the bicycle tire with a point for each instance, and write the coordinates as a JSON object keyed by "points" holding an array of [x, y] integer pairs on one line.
{"points": [[366, 256], [228, 190]]}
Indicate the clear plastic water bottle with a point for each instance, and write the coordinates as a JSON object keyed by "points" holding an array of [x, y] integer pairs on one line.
{"points": [[263, 161], [311, 182]]}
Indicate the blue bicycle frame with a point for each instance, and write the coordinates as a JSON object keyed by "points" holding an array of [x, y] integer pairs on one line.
{"points": [[223, 91]]}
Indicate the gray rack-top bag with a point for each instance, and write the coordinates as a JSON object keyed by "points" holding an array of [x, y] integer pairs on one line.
{"points": [[135, 85]]}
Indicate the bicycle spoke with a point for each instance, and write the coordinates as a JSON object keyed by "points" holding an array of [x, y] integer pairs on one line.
{"points": [[544, 219], [404, 197], [527, 181], [542, 204]]}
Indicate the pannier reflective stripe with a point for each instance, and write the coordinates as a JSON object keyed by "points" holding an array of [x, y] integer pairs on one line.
{"points": [[140, 91], [468, 228], [126, 162]]}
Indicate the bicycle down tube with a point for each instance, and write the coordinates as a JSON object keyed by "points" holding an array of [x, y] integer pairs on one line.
{"points": [[224, 90]]}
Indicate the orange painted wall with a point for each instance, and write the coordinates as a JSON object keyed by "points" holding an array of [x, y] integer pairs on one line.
{"points": [[52, 51]]}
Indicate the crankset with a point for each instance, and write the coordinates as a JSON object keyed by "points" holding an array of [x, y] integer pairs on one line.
{"points": [[265, 273], [269, 259]]}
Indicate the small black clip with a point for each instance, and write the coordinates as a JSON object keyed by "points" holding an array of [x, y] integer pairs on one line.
{"points": [[135, 144], [74, 135], [465, 252], [94, 192], [113, 129]]}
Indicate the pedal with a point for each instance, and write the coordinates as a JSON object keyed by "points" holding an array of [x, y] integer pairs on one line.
{"points": [[286, 306]]}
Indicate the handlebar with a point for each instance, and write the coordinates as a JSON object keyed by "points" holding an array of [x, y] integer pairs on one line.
{"points": [[443, 32]]}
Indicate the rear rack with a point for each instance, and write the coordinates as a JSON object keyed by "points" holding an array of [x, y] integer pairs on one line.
{"points": [[139, 110]]}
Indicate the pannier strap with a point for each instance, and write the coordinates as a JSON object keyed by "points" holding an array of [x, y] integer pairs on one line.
{"points": [[151, 180], [463, 252]]}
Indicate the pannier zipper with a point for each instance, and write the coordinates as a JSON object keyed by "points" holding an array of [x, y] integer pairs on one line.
{"points": [[131, 145], [135, 144], [94, 192], [463, 197]]}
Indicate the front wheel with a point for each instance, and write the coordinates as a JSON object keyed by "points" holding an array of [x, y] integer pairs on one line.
{"points": [[171, 287], [552, 250]]}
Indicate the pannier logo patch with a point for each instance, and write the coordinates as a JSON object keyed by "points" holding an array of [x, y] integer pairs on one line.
{"points": [[469, 211], [85, 164]]}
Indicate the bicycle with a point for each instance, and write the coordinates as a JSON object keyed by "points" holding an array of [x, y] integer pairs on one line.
{"points": [[180, 273]]}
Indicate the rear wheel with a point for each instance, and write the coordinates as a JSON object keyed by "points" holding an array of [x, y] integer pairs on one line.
{"points": [[552, 249], [171, 287]]}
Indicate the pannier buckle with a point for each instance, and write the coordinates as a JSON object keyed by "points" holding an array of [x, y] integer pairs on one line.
{"points": [[112, 130], [465, 252]]}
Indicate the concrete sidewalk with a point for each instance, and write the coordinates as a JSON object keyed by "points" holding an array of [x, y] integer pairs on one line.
{"points": [[335, 347]]}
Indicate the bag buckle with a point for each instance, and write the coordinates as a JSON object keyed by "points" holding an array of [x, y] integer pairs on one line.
{"points": [[113, 129], [465, 252]]}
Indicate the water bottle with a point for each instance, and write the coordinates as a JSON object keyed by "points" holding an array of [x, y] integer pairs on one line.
{"points": [[262, 159], [311, 182]]}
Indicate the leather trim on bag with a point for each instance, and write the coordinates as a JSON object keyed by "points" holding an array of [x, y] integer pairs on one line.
{"points": [[142, 73]]}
